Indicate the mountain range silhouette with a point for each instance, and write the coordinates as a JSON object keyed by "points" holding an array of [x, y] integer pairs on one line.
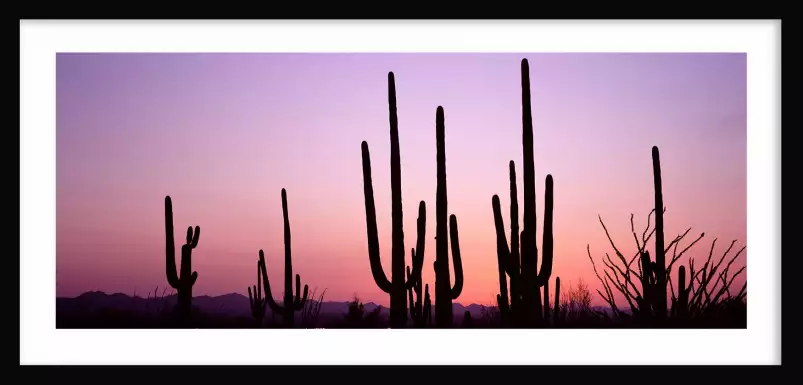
{"points": [[227, 305]]}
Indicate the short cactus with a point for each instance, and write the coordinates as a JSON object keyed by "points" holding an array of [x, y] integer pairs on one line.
{"points": [[182, 283], [257, 302]]}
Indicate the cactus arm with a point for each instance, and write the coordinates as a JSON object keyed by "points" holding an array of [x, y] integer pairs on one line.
{"points": [[251, 299], [170, 249], [410, 295], [193, 241], [193, 278], [258, 288], [514, 221], [370, 217], [300, 300], [458, 262], [502, 252], [418, 252], [501, 239], [513, 269], [547, 244], [263, 268]]}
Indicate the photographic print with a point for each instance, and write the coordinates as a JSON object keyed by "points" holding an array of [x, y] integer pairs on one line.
{"points": [[401, 190]]}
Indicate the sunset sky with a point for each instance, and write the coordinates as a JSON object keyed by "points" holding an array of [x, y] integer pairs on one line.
{"points": [[222, 134]]}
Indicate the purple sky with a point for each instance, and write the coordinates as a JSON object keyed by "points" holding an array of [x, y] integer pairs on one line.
{"points": [[222, 134]]}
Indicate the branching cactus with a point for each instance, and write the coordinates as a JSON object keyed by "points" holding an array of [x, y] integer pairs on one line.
{"points": [[292, 303], [397, 286], [444, 291], [257, 302], [417, 301], [520, 260], [185, 279]]}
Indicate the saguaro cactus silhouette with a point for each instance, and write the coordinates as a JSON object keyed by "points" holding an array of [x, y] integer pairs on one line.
{"points": [[416, 299], [397, 287], [525, 305], [427, 307], [654, 273], [257, 302], [660, 253], [680, 305], [547, 310], [444, 291], [291, 304], [183, 282]]}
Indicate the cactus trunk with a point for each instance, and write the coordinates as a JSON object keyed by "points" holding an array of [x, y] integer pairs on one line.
{"points": [[291, 303], [444, 291], [556, 312], [660, 254]]}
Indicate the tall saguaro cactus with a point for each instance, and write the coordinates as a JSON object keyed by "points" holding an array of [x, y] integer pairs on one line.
{"points": [[183, 280], [396, 287], [292, 303], [444, 291], [525, 305], [660, 253], [654, 273]]}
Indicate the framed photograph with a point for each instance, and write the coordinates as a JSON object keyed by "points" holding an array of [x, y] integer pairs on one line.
{"points": [[443, 188]]}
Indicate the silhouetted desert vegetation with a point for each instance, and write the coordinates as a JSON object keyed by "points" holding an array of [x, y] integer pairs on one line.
{"points": [[658, 290]]}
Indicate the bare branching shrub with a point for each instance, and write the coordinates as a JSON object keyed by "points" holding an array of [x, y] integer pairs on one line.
{"points": [[311, 309], [575, 304], [700, 292]]}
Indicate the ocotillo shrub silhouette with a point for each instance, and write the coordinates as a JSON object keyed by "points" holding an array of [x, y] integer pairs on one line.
{"points": [[291, 304], [397, 287], [520, 260], [444, 291], [648, 303], [311, 310], [183, 280], [257, 302]]}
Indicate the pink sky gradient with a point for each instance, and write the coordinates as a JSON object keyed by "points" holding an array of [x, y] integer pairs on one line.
{"points": [[222, 134]]}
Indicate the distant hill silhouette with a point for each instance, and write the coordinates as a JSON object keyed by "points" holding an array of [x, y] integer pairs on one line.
{"points": [[226, 305]]}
